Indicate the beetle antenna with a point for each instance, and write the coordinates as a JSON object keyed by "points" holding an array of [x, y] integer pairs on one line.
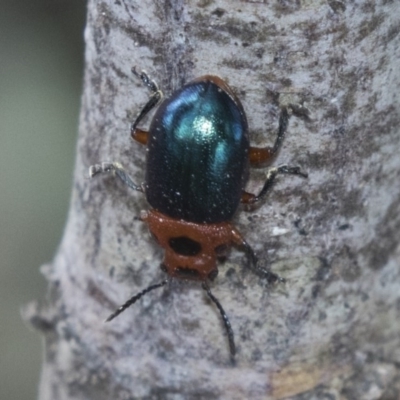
{"points": [[134, 298], [226, 321]]}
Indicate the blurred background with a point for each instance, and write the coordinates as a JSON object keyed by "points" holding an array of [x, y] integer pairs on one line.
{"points": [[41, 69]]}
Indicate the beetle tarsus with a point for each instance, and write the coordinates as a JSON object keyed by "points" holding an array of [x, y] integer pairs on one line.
{"points": [[116, 169], [144, 77]]}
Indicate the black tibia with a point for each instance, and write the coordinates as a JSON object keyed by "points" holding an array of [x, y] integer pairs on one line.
{"points": [[155, 97], [254, 265]]}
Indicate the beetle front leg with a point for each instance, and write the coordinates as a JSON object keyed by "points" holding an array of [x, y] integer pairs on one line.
{"points": [[140, 135], [115, 169]]}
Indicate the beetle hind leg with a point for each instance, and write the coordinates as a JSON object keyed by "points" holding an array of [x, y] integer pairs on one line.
{"points": [[117, 170], [137, 134]]}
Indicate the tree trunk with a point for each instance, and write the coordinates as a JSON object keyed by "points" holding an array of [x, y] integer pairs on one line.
{"points": [[332, 330]]}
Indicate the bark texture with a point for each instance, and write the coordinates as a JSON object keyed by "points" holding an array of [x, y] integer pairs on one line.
{"points": [[330, 332]]}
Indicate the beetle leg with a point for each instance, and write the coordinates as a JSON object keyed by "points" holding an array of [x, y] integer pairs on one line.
{"points": [[271, 277], [272, 173], [226, 321], [135, 298], [140, 135], [150, 83], [252, 260], [116, 169], [261, 156]]}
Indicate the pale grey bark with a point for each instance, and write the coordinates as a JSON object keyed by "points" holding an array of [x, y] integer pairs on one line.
{"points": [[330, 332]]}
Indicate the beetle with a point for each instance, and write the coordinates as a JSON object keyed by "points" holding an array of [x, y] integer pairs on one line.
{"points": [[198, 156]]}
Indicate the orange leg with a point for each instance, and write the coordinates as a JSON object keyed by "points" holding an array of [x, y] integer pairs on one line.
{"points": [[247, 198], [259, 156], [140, 135]]}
